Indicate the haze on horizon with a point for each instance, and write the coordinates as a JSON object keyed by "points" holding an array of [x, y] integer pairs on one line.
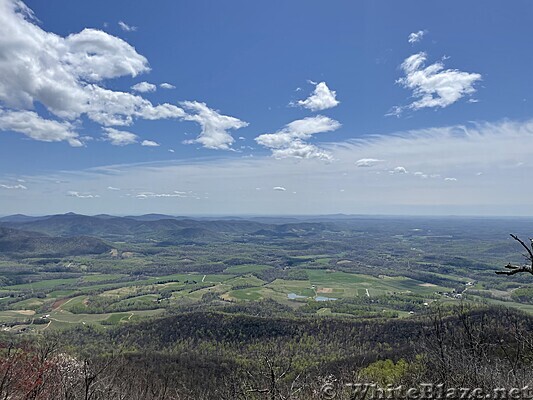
{"points": [[203, 109]]}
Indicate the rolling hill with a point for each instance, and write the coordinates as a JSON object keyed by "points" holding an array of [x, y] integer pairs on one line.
{"points": [[176, 230], [15, 242]]}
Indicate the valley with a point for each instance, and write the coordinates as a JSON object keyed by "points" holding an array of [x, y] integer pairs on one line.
{"points": [[106, 271]]}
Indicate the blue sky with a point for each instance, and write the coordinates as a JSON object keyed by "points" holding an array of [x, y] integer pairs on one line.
{"points": [[280, 107]]}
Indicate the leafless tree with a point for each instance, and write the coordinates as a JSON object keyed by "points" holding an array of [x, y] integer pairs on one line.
{"points": [[527, 267], [271, 382]]}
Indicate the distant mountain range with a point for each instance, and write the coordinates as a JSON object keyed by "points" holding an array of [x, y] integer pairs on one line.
{"points": [[17, 242], [157, 227]]}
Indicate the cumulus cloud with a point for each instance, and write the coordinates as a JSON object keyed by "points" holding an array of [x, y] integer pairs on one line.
{"points": [[32, 125], [167, 86], [63, 74], [416, 37], [322, 98], [367, 162], [399, 170], [79, 195], [291, 140], [144, 87], [92, 54], [125, 27], [433, 85], [13, 187], [215, 126], [120, 138], [149, 143], [113, 108], [420, 174]]}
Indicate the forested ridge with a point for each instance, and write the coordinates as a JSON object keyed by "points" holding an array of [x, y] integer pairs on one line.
{"points": [[215, 355]]}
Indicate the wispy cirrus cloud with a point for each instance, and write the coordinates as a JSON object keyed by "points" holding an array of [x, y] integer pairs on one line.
{"points": [[13, 187], [498, 150], [175, 193]]}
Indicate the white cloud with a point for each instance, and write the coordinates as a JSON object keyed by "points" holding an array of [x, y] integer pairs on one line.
{"points": [[279, 188], [79, 195], [215, 126], [399, 170], [291, 140], [32, 125], [322, 98], [92, 54], [501, 150], [112, 188], [420, 174], [367, 162], [125, 27], [451, 179], [167, 86], [150, 143], [416, 37], [433, 85], [144, 87], [113, 108], [175, 193], [120, 138], [14, 187], [171, 150], [63, 75]]}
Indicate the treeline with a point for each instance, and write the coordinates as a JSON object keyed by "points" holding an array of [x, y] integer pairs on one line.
{"points": [[203, 356]]}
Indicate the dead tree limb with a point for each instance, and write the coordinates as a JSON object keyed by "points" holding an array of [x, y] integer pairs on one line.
{"points": [[516, 269]]}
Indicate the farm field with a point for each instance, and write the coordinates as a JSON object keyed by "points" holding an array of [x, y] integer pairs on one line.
{"points": [[337, 268]]}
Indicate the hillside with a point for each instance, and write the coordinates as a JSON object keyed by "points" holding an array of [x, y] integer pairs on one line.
{"points": [[15, 242], [176, 230]]}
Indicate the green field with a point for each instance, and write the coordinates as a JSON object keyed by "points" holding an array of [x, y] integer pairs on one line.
{"points": [[352, 270]]}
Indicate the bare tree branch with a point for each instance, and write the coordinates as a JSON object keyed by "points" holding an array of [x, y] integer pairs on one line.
{"points": [[524, 246], [517, 269]]}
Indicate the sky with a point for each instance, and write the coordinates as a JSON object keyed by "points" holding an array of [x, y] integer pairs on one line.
{"points": [[241, 107]]}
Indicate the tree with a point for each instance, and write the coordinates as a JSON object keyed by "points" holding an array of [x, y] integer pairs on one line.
{"points": [[528, 267]]}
